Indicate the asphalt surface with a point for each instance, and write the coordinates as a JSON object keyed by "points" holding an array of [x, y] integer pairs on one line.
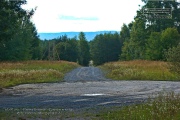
{"points": [[84, 87]]}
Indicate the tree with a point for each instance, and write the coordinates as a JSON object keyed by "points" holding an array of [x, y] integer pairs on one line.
{"points": [[170, 38], [154, 49], [84, 50], [73, 51], [35, 50], [10, 14], [155, 24], [134, 48], [61, 48], [124, 37], [67, 50], [18, 36], [159, 43], [125, 33], [105, 48], [98, 49], [128, 52]]}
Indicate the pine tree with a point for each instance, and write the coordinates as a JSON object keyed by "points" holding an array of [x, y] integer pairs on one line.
{"points": [[84, 50]]}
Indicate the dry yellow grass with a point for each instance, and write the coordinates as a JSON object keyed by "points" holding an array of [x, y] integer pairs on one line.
{"points": [[139, 70], [33, 72]]}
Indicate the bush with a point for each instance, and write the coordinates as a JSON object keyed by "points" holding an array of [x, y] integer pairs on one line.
{"points": [[173, 56]]}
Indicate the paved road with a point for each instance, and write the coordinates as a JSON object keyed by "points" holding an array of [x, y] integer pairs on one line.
{"points": [[84, 87]]}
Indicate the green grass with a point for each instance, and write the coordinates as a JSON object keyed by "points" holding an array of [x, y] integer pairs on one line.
{"points": [[165, 107], [35, 113], [139, 70], [15, 73]]}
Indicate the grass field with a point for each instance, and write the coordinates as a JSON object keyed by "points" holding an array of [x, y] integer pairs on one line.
{"points": [[15, 73], [139, 70]]}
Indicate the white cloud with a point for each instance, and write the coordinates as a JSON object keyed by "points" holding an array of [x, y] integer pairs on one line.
{"points": [[107, 14]]}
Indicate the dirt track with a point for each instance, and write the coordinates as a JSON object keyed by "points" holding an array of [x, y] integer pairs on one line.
{"points": [[84, 87], [84, 74]]}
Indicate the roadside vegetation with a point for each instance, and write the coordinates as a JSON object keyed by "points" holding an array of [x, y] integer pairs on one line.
{"points": [[15, 73], [35, 113], [165, 107], [139, 70]]}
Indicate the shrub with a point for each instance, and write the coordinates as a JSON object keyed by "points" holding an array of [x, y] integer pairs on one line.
{"points": [[173, 56]]}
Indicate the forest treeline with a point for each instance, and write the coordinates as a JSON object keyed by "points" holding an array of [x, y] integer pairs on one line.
{"points": [[18, 35], [144, 38]]}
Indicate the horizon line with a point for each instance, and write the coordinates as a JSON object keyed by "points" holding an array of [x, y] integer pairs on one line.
{"points": [[83, 31]]}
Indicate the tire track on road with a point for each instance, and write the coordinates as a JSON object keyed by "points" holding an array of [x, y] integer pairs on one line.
{"points": [[85, 74]]}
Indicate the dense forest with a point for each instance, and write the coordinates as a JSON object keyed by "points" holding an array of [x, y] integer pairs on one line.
{"points": [[147, 38]]}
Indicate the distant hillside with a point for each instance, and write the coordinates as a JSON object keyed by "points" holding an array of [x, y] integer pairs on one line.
{"points": [[89, 35]]}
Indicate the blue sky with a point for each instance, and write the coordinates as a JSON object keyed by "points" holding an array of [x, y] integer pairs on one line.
{"points": [[82, 15]]}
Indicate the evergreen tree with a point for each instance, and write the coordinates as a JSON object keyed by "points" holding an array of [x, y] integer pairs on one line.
{"points": [[84, 50], [105, 48], [124, 37], [98, 49], [125, 33], [67, 49], [18, 36]]}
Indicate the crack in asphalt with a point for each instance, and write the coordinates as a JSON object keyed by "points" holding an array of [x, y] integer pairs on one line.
{"points": [[84, 87]]}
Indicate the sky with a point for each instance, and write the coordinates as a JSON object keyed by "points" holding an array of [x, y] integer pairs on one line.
{"points": [[82, 15]]}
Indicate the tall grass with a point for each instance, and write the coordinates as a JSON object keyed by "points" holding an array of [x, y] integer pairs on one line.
{"points": [[33, 72], [139, 70], [165, 107]]}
